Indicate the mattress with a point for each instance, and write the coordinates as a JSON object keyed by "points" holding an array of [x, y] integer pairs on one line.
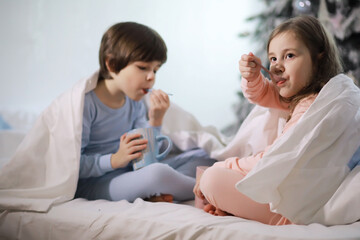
{"points": [[100, 219]]}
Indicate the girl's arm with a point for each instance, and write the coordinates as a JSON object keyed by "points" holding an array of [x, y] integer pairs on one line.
{"points": [[256, 88], [263, 92], [242, 165]]}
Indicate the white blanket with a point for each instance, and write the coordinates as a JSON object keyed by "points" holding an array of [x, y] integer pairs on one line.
{"points": [[301, 175], [44, 170]]}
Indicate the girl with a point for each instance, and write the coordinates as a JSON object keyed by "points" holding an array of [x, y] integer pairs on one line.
{"points": [[302, 60], [130, 55]]}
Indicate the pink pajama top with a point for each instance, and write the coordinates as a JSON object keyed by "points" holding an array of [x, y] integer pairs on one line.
{"points": [[264, 93]]}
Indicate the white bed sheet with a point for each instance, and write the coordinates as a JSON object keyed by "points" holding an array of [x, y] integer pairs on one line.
{"points": [[82, 219]]}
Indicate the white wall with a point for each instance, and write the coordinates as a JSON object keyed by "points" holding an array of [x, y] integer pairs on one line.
{"points": [[47, 45]]}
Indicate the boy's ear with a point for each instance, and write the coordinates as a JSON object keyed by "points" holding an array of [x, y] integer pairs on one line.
{"points": [[109, 65]]}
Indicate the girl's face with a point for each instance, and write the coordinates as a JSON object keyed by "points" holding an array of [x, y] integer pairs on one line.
{"points": [[135, 79], [290, 59]]}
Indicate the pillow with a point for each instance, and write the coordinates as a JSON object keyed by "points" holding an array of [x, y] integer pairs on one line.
{"points": [[355, 160], [3, 124]]}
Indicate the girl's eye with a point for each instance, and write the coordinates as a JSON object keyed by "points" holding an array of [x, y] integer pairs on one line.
{"points": [[290, 55], [273, 59]]}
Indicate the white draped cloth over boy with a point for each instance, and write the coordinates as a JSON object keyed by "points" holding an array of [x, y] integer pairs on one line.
{"points": [[304, 176]]}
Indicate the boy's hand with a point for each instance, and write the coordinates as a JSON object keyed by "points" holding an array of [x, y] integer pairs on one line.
{"points": [[159, 104], [130, 148], [250, 66]]}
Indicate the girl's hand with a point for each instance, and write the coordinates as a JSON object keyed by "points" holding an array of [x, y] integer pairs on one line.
{"points": [[159, 104], [250, 66], [197, 190], [130, 148]]}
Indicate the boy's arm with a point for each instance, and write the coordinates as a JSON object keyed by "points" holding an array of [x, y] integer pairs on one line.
{"points": [[159, 104], [141, 120], [93, 165]]}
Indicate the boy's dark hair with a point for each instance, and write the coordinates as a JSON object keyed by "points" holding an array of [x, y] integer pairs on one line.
{"points": [[324, 53], [127, 42]]}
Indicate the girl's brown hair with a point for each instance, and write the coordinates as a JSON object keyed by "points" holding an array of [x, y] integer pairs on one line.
{"points": [[324, 53], [127, 42]]}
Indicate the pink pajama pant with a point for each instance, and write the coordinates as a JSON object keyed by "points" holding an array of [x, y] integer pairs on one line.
{"points": [[218, 186]]}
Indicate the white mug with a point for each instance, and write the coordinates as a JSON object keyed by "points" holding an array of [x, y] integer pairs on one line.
{"points": [[151, 152]]}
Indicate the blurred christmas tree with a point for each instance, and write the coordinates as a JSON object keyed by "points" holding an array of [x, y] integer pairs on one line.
{"points": [[340, 17]]}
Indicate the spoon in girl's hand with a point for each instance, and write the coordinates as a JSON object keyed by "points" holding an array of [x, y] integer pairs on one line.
{"points": [[150, 90], [274, 77]]}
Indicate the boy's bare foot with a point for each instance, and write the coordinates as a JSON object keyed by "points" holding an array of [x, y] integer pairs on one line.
{"points": [[215, 211], [161, 198]]}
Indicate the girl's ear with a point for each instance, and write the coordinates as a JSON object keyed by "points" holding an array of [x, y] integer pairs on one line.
{"points": [[320, 55]]}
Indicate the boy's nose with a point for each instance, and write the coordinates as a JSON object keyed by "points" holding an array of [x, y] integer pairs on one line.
{"points": [[150, 76]]}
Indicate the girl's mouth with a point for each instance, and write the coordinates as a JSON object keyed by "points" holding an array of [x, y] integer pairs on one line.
{"points": [[146, 90], [280, 81]]}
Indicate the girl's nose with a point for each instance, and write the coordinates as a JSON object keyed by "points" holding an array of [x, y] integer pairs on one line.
{"points": [[277, 68]]}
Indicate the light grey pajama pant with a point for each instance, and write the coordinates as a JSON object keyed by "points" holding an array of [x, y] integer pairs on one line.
{"points": [[175, 175]]}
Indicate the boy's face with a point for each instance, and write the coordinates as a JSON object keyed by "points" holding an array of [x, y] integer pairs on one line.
{"points": [[291, 60], [135, 79]]}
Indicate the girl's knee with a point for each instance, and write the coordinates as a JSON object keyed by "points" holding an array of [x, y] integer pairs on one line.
{"points": [[210, 180]]}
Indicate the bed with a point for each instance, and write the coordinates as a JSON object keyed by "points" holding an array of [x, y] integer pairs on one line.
{"points": [[36, 213], [81, 219]]}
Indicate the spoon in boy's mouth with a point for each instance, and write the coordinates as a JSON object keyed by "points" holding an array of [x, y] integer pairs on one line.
{"points": [[148, 90]]}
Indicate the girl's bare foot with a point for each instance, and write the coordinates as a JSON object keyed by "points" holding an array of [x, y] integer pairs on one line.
{"points": [[215, 211], [161, 198]]}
